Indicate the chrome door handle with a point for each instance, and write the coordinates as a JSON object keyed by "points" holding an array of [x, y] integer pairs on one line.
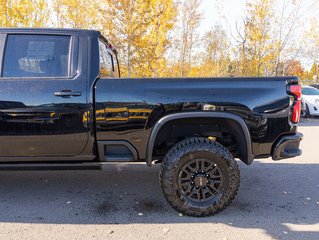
{"points": [[67, 93]]}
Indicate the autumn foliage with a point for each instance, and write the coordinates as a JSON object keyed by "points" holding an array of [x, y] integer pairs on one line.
{"points": [[161, 38]]}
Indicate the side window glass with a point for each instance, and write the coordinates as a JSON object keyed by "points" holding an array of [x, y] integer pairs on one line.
{"points": [[106, 62], [37, 56]]}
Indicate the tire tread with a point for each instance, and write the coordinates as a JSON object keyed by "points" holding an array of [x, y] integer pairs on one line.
{"points": [[170, 164]]}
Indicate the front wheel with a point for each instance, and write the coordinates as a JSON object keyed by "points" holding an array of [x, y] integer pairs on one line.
{"points": [[199, 177]]}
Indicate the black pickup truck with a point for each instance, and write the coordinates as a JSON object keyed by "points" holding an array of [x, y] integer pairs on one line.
{"points": [[64, 105]]}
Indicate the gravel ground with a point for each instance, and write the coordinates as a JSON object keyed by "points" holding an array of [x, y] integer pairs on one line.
{"points": [[277, 200]]}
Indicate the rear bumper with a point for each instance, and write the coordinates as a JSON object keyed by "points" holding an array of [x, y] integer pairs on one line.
{"points": [[287, 147]]}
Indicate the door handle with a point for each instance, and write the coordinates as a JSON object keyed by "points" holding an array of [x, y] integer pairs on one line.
{"points": [[67, 93]]}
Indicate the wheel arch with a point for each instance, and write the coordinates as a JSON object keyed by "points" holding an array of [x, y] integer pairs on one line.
{"points": [[248, 158]]}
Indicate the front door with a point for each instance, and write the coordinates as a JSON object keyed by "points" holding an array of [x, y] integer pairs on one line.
{"points": [[43, 101]]}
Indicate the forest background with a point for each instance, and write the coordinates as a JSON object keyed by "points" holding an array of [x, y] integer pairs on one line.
{"points": [[165, 38]]}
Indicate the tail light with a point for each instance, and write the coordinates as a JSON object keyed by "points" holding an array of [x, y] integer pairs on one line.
{"points": [[295, 90]]}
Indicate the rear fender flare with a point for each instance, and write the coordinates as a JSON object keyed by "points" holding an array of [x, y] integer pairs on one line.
{"points": [[160, 123]]}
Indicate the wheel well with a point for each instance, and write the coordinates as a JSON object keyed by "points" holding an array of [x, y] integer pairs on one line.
{"points": [[226, 131]]}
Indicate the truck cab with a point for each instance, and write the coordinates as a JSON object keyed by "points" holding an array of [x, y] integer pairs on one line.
{"points": [[45, 92]]}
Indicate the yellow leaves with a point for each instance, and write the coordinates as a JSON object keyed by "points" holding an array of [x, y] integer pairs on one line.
{"points": [[256, 44], [313, 73], [77, 13], [23, 13], [142, 31], [139, 29], [313, 39], [216, 56]]}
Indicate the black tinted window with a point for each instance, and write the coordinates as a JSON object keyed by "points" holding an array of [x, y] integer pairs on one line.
{"points": [[36, 56]]}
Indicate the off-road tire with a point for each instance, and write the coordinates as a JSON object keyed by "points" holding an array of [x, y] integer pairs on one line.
{"points": [[191, 149]]}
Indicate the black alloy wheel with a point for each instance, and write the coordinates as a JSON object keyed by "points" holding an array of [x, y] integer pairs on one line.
{"points": [[200, 179]]}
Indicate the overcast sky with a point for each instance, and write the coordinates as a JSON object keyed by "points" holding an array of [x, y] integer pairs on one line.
{"points": [[233, 10], [221, 12], [228, 12]]}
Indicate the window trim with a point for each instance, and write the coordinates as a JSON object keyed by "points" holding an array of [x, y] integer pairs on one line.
{"points": [[3, 38], [73, 60], [118, 66], [114, 56], [111, 55]]}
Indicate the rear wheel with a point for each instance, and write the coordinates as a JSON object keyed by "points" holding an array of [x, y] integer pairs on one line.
{"points": [[199, 177]]}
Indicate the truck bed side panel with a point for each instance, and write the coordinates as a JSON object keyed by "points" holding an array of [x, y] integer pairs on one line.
{"points": [[127, 109]]}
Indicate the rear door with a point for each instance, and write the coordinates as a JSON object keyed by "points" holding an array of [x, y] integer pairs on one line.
{"points": [[43, 99]]}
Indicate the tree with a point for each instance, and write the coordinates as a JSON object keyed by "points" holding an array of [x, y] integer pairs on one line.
{"points": [[24, 13], [312, 48], [139, 29], [216, 57], [266, 38], [77, 13], [294, 68], [255, 38], [285, 24], [190, 20], [314, 72], [41, 15], [157, 42]]}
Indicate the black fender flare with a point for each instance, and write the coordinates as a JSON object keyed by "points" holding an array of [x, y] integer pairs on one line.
{"points": [[160, 123]]}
